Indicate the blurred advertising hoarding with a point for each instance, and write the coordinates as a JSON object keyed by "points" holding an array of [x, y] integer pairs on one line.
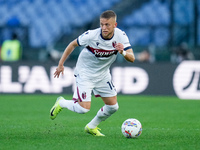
{"points": [[186, 80], [182, 80]]}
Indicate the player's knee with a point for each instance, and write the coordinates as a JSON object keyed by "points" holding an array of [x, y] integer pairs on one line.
{"points": [[112, 108], [81, 110], [83, 107]]}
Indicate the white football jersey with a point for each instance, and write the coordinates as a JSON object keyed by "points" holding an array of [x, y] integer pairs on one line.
{"points": [[98, 54]]}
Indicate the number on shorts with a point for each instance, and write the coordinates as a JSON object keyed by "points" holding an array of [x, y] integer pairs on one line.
{"points": [[111, 85]]}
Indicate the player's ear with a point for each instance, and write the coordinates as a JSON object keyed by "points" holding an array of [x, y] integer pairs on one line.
{"points": [[115, 24]]}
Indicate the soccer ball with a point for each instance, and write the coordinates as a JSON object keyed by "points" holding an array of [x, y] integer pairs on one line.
{"points": [[131, 128]]}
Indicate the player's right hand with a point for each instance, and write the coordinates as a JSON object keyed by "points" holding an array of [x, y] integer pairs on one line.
{"points": [[119, 47], [59, 69]]}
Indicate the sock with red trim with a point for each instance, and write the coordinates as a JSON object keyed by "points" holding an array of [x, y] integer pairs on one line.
{"points": [[105, 112]]}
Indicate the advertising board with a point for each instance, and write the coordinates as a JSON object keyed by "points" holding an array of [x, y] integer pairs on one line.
{"points": [[182, 80]]}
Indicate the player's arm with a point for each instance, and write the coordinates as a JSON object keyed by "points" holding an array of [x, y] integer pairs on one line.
{"points": [[66, 53], [128, 54]]}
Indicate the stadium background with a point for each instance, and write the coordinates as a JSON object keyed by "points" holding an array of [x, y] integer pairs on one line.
{"points": [[45, 27], [162, 33]]}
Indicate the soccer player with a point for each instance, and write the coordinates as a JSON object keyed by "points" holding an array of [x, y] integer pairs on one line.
{"points": [[92, 72]]}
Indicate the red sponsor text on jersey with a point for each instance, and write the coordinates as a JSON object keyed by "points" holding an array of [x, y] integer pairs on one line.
{"points": [[101, 52]]}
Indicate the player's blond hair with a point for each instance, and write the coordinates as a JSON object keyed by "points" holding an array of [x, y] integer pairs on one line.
{"points": [[109, 14]]}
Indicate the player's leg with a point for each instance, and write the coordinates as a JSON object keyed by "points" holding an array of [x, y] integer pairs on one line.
{"points": [[73, 105], [108, 95], [110, 107], [80, 104]]}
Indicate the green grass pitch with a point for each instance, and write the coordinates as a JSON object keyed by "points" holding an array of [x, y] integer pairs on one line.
{"points": [[168, 124]]}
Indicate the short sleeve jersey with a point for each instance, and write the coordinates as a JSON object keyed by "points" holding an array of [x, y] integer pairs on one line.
{"points": [[98, 54]]}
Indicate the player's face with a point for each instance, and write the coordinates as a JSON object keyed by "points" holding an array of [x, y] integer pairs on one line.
{"points": [[107, 27]]}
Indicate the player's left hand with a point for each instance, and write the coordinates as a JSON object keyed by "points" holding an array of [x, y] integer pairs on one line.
{"points": [[119, 47]]}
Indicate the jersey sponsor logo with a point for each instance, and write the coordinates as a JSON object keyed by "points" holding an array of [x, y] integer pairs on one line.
{"points": [[101, 52]]}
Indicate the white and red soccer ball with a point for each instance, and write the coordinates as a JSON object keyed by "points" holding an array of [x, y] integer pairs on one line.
{"points": [[131, 128]]}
